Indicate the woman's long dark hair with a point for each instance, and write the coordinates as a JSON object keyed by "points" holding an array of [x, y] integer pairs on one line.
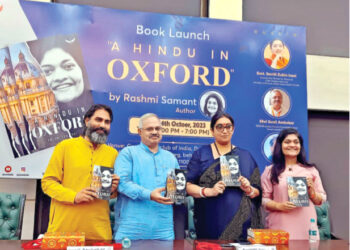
{"points": [[278, 160]]}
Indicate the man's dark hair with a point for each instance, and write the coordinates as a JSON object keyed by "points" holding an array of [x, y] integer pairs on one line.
{"points": [[96, 107], [92, 111], [278, 159], [219, 115]]}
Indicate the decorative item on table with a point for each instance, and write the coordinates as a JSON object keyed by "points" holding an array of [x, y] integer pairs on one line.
{"points": [[202, 245], [267, 236], [176, 186], [61, 240]]}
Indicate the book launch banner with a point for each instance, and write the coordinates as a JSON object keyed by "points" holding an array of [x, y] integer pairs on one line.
{"points": [[184, 69]]}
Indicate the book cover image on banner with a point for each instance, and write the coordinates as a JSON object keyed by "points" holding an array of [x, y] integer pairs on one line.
{"points": [[62, 63], [184, 69], [48, 99], [10, 108], [268, 145], [36, 99]]}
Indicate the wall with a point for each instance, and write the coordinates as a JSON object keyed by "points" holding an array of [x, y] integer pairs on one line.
{"points": [[329, 150], [178, 7]]}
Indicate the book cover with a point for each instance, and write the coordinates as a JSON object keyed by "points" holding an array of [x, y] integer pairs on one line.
{"points": [[297, 191], [11, 108], [61, 60], [39, 107], [102, 181], [229, 169], [170, 188], [176, 185], [44, 92]]}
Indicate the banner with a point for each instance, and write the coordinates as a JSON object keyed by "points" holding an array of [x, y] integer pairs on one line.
{"points": [[183, 69]]}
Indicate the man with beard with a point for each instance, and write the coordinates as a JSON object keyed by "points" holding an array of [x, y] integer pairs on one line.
{"points": [[67, 179], [143, 168]]}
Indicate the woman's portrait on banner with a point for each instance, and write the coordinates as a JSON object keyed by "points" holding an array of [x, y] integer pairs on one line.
{"points": [[276, 54], [268, 146], [61, 60], [212, 102]]}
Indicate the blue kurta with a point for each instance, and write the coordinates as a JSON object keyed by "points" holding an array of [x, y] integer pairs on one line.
{"points": [[141, 171], [224, 216]]}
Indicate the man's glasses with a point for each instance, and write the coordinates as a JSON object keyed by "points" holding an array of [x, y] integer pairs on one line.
{"points": [[150, 129], [222, 127]]}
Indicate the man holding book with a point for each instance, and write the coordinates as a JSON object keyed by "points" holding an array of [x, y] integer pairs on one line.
{"points": [[75, 205], [142, 210]]}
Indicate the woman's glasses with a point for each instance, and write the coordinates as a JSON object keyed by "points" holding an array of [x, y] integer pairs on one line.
{"points": [[222, 127]]}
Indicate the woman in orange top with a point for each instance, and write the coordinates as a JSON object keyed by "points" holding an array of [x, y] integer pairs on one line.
{"points": [[277, 61]]}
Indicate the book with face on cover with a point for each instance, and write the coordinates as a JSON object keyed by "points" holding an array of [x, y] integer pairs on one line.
{"points": [[102, 181], [176, 186], [44, 92], [229, 169], [297, 191]]}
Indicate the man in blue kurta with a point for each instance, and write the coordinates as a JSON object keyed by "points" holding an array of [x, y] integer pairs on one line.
{"points": [[142, 212]]}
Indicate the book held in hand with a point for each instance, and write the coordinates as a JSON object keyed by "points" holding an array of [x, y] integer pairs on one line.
{"points": [[176, 186], [102, 181], [297, 191], [229, 169]]}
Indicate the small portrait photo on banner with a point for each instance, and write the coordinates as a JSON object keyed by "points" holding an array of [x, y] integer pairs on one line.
{"points": [[276, 54], [212, 102], [268, 146], [276, 102]]}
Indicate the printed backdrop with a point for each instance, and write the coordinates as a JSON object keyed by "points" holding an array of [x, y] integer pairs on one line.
{"points": [[184, 69]]}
